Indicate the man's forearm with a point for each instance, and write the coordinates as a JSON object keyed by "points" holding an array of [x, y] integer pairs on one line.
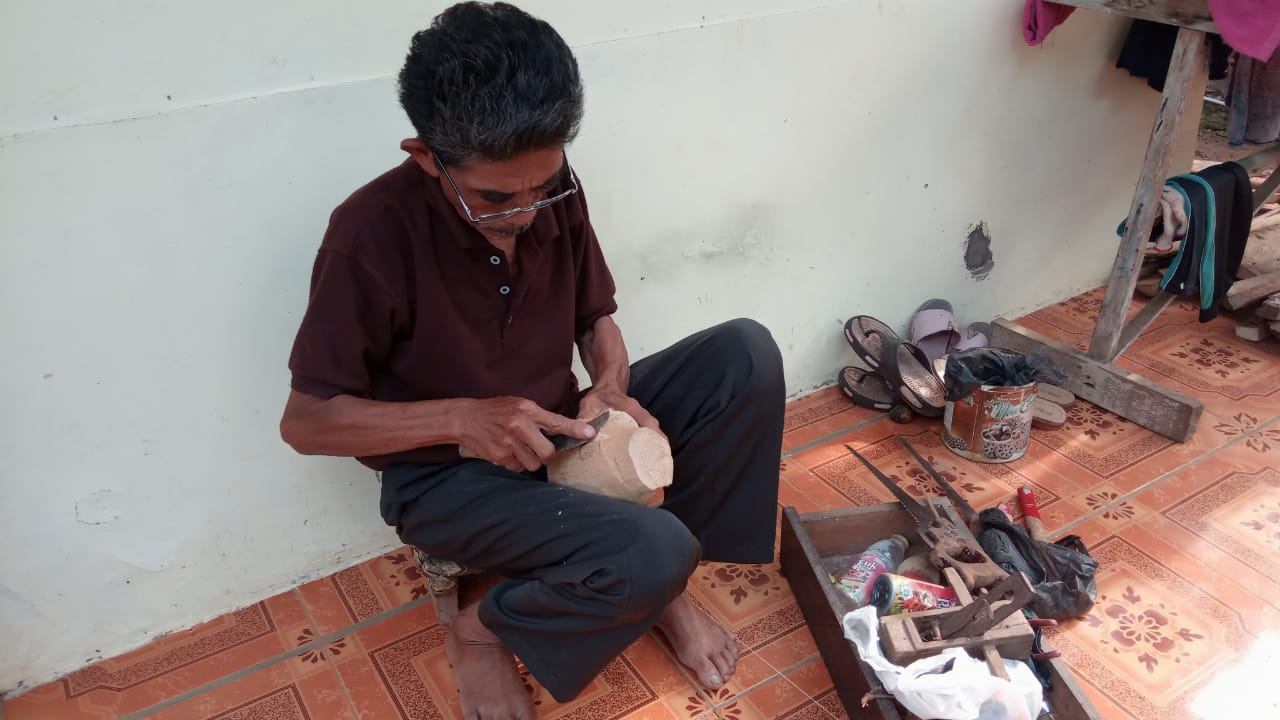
{"points": [[348, 426], [604, 355]]}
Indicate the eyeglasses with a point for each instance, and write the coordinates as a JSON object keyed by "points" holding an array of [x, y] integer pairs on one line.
{"points": [[499, 216]]}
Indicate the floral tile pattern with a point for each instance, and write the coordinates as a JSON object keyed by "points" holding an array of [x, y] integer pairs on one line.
{"points": [[364, 591], [820, 414], [171, 665], [1187, 536]]}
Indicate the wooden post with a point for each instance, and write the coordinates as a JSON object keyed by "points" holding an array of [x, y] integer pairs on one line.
{"points": [[1190, 59]]}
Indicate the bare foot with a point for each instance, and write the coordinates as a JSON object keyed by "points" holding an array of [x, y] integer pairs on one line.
{"points": [[700, 643], [486, 672]]}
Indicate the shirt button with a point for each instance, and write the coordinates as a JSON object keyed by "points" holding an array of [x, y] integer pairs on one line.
{"points": [[505, 289], [495, 260]]}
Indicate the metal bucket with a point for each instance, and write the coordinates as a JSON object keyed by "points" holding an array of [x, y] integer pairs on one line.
{"points": [[991, 425]]}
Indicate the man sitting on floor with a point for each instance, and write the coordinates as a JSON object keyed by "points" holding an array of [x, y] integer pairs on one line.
{"points": [[437, 345]]}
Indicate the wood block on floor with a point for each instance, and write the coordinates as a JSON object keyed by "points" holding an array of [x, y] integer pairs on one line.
{"points": [[1252, 330]]}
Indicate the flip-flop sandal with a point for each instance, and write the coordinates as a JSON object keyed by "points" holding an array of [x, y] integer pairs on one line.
{"points": [[866, 389], [1047, 415], [974, 336], [933, 328], [865, 335], [1055, 394], [911, 374]]}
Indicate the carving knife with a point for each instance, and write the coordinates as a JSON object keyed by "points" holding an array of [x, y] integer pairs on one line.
{"points": [[568, 442]]}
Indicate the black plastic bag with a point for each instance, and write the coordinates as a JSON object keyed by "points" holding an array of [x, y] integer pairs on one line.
{"points": [[973, 368], [1062, 573]]}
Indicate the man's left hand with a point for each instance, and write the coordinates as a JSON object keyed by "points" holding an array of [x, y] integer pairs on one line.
{"points": [[597, 400]]}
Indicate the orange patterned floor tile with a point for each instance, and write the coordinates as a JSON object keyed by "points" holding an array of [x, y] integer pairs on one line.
{"points": [[1154, 637], [792, 695], [820, 414], [296, 690], [1075, 318], [363, 591], [398, 669], [171, 665], [1229, 374], [983, 485], [1096, 445]]}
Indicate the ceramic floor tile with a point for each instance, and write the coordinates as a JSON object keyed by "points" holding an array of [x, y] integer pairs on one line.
{"points": [[1096, 446], [172, 665], [983, 485], [363, 591], [820, 414], [1156, 635], [398, 669], [1078, 316], [295, 690], [792, 695], [1223, 515], [1229, 374]]}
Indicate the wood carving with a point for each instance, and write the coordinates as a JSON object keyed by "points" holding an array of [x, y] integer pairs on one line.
{"points": [[623, 461]]}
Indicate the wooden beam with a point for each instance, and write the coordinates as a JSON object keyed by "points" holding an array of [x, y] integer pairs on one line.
{"points": [[1190, 60], [1143, 319], [1192, 14], [1130, 396]]}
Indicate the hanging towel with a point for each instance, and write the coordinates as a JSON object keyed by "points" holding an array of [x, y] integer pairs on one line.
{"points": [[1250, 26], [1221, 215], [1039, 17]]}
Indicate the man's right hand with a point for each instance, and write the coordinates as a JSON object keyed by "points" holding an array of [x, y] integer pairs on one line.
{"points": [[508, 431]]}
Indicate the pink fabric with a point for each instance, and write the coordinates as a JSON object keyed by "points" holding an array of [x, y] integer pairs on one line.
{"points": [[1252, 27], [1039, 17]]}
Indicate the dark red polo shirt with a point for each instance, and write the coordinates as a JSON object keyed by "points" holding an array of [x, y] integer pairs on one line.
{"points": [[409, 302]]}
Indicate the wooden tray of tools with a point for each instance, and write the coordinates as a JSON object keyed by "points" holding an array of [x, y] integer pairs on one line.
{"points": [[816, 545]]}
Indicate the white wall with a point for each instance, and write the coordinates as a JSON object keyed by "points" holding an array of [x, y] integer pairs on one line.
{"points": [[166, 171]]}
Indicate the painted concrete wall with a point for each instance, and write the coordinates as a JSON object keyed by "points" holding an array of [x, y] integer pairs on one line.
{"points": [[167, 169]]}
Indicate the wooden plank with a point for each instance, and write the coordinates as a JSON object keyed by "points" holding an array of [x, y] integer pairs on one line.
{"points": [[1189, 62], [817, 599], [1244, 293], [1270, 309], [1130, 396], [1140, 322], [1183, 13], [1066, 698]]}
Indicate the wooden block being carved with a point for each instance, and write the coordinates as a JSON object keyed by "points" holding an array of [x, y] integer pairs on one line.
{"points": [[624, 461]]}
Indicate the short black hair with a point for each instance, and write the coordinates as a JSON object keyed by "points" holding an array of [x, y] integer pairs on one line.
{"points": [[488, 80]]}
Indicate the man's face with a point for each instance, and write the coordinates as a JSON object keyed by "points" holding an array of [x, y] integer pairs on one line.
{"points": [[495, 186]]}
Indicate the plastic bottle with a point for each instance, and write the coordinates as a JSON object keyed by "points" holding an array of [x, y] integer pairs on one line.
{"points": [[883, 556]]}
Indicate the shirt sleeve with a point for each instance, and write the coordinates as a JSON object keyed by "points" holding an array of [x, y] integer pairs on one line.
{"points": [[596, 290], [351, 320]]}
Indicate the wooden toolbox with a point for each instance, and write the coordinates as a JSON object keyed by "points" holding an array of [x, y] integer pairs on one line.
{"points": [[817, 545]]}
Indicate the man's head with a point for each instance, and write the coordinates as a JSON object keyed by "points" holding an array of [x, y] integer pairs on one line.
{"points": [[495, 96]]}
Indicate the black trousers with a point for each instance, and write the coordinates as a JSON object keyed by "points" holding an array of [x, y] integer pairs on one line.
{"points": [[588, 575]]}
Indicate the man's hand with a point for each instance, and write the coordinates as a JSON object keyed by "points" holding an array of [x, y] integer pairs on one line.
{"points": [[507, 431], [599, 399]]}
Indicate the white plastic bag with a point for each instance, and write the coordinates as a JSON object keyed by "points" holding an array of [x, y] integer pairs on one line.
{"points": [[968, 691]]}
